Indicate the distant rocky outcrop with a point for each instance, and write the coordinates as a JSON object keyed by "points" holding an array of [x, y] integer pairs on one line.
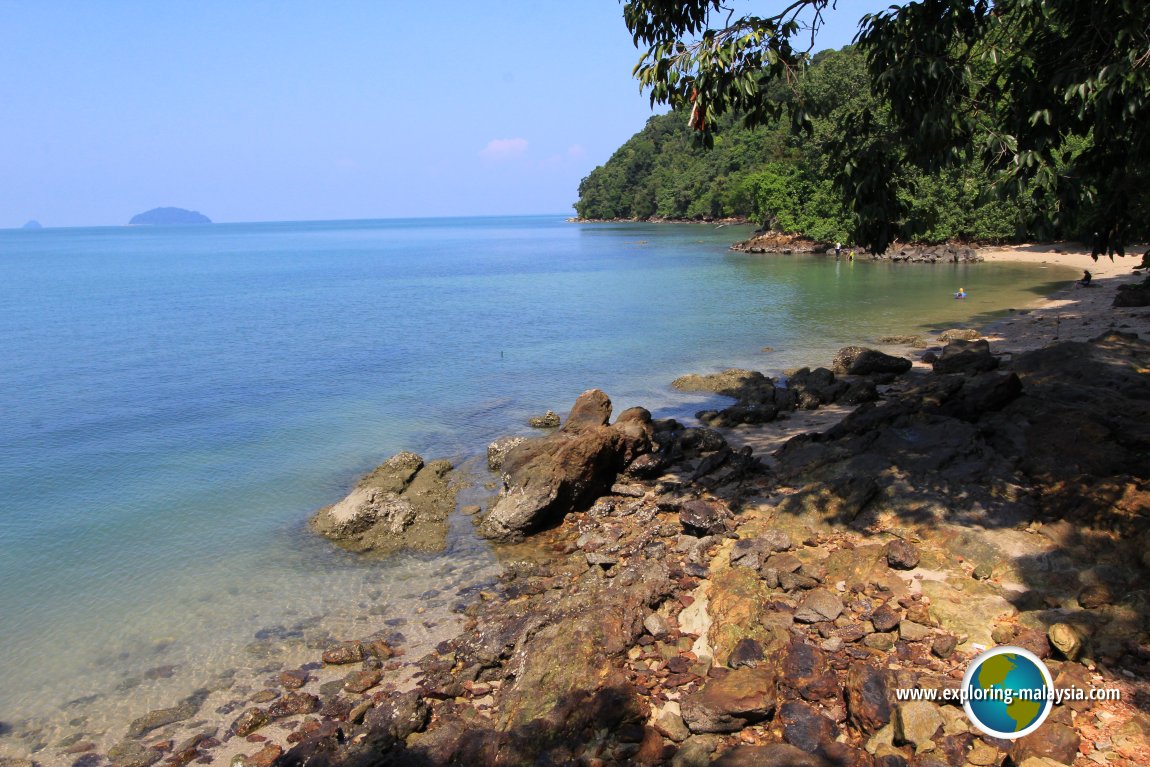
{"points": [[169, 217], [931, 254], [403, 504], [776, 242], [32, 224], [787, 244]]}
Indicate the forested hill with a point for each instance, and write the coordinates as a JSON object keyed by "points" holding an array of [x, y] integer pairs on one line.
{"points": [[783, 180]]}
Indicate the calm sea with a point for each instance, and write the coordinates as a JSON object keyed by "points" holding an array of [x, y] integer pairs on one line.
{"points": [[177, 401]]}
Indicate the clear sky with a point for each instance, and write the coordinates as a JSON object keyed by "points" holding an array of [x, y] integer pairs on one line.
{"points": [[276, 111]]}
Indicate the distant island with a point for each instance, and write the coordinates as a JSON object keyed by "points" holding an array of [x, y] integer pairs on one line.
{"points": [[32, 224], [169, 217]]}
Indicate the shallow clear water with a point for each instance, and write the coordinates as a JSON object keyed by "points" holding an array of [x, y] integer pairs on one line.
{"points": [[177, 401]]}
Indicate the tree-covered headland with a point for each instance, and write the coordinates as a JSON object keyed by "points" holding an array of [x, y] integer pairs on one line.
{"points": [[785, 180], [982, 120]]}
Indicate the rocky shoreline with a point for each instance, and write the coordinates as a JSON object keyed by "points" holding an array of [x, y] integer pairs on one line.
{"points": [[661, 220], [671, 596], [786, 244]]}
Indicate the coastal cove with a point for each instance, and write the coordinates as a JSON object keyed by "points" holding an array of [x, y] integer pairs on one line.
{"points": [[181, 400]]}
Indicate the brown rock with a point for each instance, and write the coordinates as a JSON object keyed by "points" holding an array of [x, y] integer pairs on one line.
{"points": [[913, 632], [549, 420], [880, 640], [704, 517], [1095, 596], [349, 652], [249, 721], [292, 704], [592, 408], [818, 605], [902, 555], [869, 697], [362, 681], [783, 563], [805, 670], [153, 720], [747, 652], [944, 645], [1051, 740], [1033, 640], [264, 757], [774, 755], [739, 610], [130, 754], [917, 722], [885, 618], [293, 680], [401, 504], [650, 748], [742, 697], [1073, 675], [805, 727], [1067, 639], [545, 478]]}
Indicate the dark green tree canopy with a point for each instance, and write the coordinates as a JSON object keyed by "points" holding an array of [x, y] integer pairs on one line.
{"points": [[1052, 97], [784, 180]]}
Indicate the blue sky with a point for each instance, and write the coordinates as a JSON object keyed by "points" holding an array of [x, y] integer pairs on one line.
{"points": [[276, 111]]}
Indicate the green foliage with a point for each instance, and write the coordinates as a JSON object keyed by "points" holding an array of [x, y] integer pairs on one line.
{"points": [[1048, 101], [785, 180], [665, 171]]}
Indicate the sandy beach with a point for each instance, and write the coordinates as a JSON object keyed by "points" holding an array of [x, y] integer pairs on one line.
{"points": [[1073, 313]]}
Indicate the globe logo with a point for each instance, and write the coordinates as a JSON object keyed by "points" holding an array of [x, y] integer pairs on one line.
{"points": [[1007, 692]]}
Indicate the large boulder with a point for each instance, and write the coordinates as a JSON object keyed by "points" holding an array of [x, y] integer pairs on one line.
{"points": [[968, 357], [1137, 294], [402, 504], [861, 361], [591, 409], [758, 399], [730, 703], [545, 478], [813, 388]]}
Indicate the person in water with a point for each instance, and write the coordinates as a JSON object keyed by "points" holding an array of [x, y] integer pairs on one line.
{"points": [[961, 293]]}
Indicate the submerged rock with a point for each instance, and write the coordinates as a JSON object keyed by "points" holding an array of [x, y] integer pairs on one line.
{"points": [[404, 503]]}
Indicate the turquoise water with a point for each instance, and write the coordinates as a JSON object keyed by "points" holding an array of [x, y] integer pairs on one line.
{"points": [[177, 401]]}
